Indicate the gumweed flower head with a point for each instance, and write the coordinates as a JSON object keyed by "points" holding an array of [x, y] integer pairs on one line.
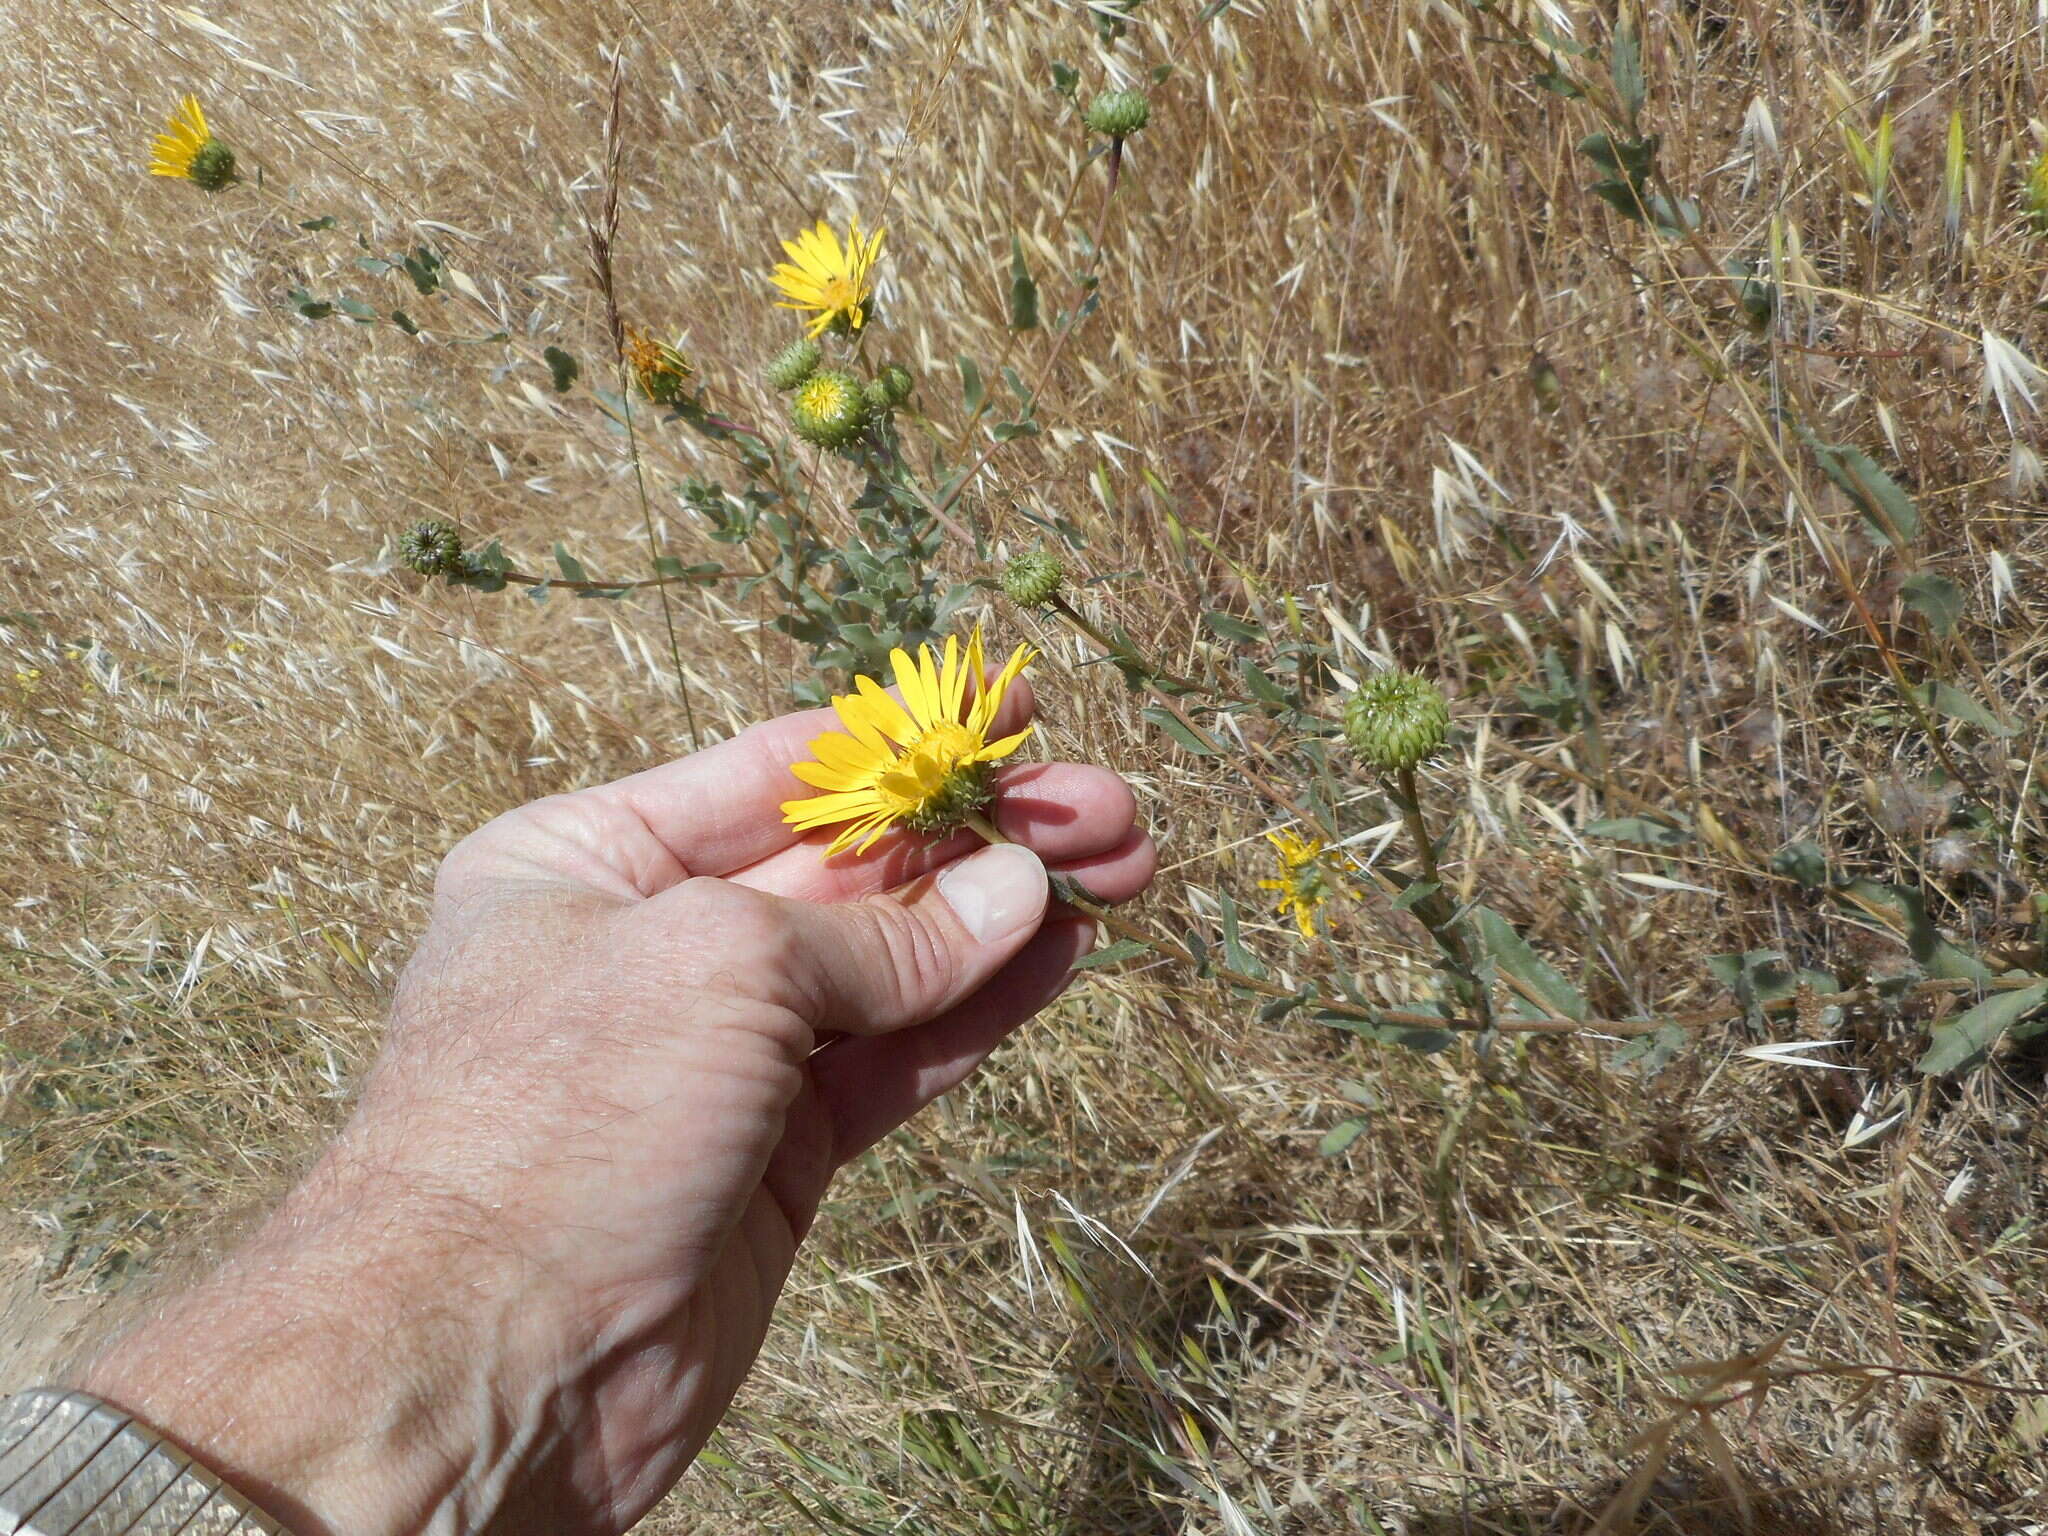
{"points": [[1032, 579], [830, 408], [793, 364], [896, 380], [832, 281], [1118, 113], [433, 548], [922, 763], [1396, 721], [1305, 883], [659, 369], [188, 149]]}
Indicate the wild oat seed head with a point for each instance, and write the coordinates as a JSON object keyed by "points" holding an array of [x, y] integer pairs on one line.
{"points": [[922, 762], [793, 364], [1118, 113], [1396, 721], [187, 149], [1032, 579], [832, 281], [662, 372], [830, 408], [433, 548]]}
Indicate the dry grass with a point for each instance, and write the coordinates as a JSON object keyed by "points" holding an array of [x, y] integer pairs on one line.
{"points": [[1114, 1286]]}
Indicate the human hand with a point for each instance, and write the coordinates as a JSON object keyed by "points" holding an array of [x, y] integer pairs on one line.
{"points": [[645, 1025]]}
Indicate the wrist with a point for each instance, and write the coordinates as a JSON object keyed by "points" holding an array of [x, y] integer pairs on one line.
{"points": [[342, 1371]]}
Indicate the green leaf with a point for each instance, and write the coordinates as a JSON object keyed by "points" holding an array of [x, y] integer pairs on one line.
{"points": [[562, 368], [1640, 829], [972, 394], [1416, 890], [1111, 954], [424, 268], [1513, 954], [572, 568], [1626, 65], [307, 305], [1802, 861], [1935, 598], [1233, 628], [357, 311], [1652, 1053], [325, 221], [1934, 954], [1235, 955], [1006, 431], [1967, 1039], [1065, 79], [1179, 732], [1339, 1137], [1885, 506], [1023, 291], [404, 322], [1942, 698], [1212, 10], [1263, 688], [1558, 83]]}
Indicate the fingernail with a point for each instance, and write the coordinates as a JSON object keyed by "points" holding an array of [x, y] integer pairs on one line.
{"points": [[995, 892]]}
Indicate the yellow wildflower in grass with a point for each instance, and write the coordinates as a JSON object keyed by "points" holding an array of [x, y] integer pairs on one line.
{"points": [[187, 149], [832, 279], [923, 762], [1305, 882], [658, 368]]}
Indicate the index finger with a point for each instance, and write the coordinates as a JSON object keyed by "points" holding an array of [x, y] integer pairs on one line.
{"points": [[720, 810]]}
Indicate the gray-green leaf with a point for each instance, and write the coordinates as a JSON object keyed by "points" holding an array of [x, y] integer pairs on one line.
{"points": [[1883, 502], [1967, 1039]]}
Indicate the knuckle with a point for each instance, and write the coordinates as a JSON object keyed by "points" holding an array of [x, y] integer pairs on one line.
{"points": [[916, 960]]}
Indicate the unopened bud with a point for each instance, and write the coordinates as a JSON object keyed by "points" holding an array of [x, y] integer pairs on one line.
{"points": [[793, 364], [1032, 580], [1396, 721], [896, 379], [433, 548], [1118, 113]]}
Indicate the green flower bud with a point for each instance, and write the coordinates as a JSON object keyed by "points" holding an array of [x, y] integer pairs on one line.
{"points": [[829, 408], [897, 381], [793, 364], [1118, 113], [1032, 580], [1396, 721], [433, 548], [876, 393], [213, 166]]}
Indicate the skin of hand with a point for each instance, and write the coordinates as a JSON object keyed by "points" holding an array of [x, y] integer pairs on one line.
{"points": [[645, 1026]]}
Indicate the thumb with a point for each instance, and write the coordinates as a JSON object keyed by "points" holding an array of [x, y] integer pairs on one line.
{"points": [[889, 961]]}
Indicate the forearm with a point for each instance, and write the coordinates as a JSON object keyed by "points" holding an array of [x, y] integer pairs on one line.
{"points": [[341, 1370]]}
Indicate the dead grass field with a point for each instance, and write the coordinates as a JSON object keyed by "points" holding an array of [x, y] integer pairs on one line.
{"points": [[1117, 1286]]}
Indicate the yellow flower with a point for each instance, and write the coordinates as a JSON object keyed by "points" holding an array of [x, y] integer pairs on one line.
{"points": [[187, 149], [658, 368], [824, 276], [1305, 881], [923, 762]]}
